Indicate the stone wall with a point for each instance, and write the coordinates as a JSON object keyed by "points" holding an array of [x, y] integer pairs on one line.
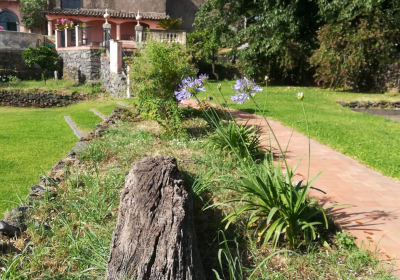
{"points": [[10, 40], [369, 104], [115, 84], [81, 65], [38, 100], [11, 63], [392, 77]]}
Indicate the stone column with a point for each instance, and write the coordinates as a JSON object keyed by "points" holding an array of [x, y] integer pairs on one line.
{"points": [[118, 32], [58, 39], [138, 29], [78, 36], [106, 28], [183, 38], [50, 27], [67, 38], [115, 56], [139, 33]]}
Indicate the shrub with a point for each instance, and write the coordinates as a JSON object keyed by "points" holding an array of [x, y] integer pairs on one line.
{"points": [[156, 70], [43, 56], [356, 43], [238, 139], [275, 205]]}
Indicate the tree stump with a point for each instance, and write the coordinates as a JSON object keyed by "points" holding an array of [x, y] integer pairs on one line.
{"points": [[154, 237]]}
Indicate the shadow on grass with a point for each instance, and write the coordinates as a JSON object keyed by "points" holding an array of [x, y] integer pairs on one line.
{"points": [[207, 223]]}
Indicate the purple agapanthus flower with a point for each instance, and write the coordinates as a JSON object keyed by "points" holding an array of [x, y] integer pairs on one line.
{"points": [[240, 97], [244, 88], [189, 87], [204, 78]]}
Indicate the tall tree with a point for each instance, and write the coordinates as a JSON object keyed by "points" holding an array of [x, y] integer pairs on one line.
{"points": [[33, 12], [357, 42], [280, 34]]}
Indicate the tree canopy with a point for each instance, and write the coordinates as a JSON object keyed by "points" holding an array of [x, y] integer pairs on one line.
{"points": [[288, 39], [33, 12]]}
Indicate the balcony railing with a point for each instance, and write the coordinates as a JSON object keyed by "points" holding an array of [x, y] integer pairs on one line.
{"points": [[82, 36]]}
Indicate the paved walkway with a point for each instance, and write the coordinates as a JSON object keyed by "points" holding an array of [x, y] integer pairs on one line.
{"points": [[373, 217]]}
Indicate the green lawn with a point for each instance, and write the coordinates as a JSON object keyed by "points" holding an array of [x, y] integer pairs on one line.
{"points": [[33, 140], [370, 139]]}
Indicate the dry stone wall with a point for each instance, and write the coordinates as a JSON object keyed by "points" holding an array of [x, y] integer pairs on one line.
{"points": [[38, 100], [81, 65], [12, 64], [115, 84]]}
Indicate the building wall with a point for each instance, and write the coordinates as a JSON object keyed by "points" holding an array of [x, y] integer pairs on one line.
{"points": [[14, 7], [185, 9], [156, 6], [10, 40]]}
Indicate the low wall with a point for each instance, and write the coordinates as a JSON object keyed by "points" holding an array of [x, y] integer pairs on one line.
{"points": [[392, 77], [38, 100], [114, 83], [10, 40], [368, 104], [11, 63], [81, 65]]}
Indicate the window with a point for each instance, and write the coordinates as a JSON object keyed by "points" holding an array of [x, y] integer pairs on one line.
{"points": [[8, 20], [71, 4]]}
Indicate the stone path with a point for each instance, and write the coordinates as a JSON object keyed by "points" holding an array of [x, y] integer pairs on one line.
{"points": [[100, 115], [74, 128], [373, 217]]}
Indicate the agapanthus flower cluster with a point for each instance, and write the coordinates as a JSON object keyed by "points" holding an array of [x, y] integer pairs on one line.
{"points": [[204, 78], [300, 95], [190, 87], [244, 88]]}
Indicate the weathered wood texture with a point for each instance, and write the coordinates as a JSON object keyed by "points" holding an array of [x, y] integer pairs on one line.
{"points": [[154, 237]]}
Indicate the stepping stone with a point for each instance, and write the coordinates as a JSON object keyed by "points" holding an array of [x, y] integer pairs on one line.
{"points": [[99, 114], [123, 104], [74, 128]]}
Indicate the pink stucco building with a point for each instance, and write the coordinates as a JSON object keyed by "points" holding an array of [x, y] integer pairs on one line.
{"points": [[10, 16]]}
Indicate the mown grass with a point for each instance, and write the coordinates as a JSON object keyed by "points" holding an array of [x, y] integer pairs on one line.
{"points": [[51, 85], [370, 139], [32, 140], [70, 234]]}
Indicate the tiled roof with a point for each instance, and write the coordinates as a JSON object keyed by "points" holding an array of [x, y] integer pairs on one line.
{"points": [[100, 13]]}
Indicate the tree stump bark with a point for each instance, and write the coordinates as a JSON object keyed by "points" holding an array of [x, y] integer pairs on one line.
{"points": [[154, 237]]}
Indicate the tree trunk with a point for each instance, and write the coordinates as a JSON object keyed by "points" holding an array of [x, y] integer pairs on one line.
{"points": [[154, 237]]}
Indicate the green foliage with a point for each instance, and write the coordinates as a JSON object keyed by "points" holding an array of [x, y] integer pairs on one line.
{"points": [[235, 267], [238, 139], [170, 23], [279, 34], [346, 240], [276, 205], [33, 12], [156, 71], [356, 44], [45, 57]]}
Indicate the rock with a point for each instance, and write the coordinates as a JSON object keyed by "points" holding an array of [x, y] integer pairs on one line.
{"points": [[344, 104], [39, 191], [7, 229]]}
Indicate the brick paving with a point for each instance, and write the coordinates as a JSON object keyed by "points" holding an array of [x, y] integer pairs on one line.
{"points": [[373, 217]]}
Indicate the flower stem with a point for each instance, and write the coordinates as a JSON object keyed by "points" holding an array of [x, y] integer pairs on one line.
{"points": [[309, 142]]}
